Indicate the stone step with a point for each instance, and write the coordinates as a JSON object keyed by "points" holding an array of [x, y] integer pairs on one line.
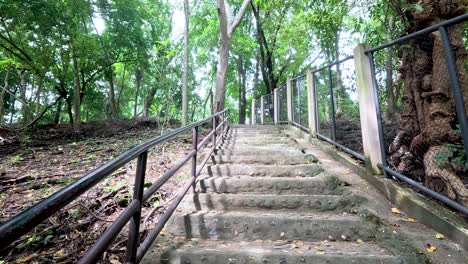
{"points": [[272, 144], [268, 185], [259, 151], [270, 252], [264, 139], [250, 225], [266, 159], [263, 170], [227, 202], [269, 148]]}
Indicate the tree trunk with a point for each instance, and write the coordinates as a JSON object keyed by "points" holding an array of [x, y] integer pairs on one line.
{"points": [[112, 105], [428, 121], [241, 74], [340, 92], [186, 65], [389, 85], [227, 25], [149, 101], [3, 93], [57, 113], [223, 60], [138, 78], [24, 107], [38, 95], [76, 94]]}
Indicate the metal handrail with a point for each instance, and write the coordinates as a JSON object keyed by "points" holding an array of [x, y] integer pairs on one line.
{"points": [[25, 221]]}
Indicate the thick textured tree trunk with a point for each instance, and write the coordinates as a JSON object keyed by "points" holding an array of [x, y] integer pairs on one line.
{"points": [[57, 112], [76, 95], [186, 65], [3, 93], [422, 147]]}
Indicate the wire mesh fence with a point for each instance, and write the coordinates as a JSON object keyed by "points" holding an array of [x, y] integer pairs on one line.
{"points": [[268, 109], [421, 130], [300, 113], [283, 104]]}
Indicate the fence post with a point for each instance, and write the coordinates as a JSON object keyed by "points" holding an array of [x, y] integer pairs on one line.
{"points": [[289, 100], [275, 106], [262, 110], [368, 105], [252, 113], [311, 106], [134, 226]]}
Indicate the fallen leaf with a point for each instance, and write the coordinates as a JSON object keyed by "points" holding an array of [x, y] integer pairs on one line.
{"points": [[318, 248], [24, 260], [395, 210], [430, 248], [115, 261], [409, 219], [59, 254], [440, 236], [360, 241]]}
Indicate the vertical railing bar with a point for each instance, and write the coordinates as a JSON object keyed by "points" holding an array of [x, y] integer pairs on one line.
{"points": [[332, 102], [134, 225], [213, 122], [298, 101], [456, 90], [316, 113], [195, 147], [378, 111]]}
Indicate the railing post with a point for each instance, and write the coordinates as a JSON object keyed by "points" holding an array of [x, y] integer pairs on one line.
{"points": [[289, 97], [134, 226], [213, 122], [252, 113], [332, 105], [311, 105], [194, 147], [276, 106], [368, 110], [262, 110]]}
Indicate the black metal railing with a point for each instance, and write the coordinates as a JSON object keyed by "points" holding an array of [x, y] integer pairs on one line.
{"points": [[300, 112], [25, 221], [416, 173], [325, 80], [337, 111]]}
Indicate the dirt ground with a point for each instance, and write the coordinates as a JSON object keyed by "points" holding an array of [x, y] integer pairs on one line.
{"points": [[37, 163]]}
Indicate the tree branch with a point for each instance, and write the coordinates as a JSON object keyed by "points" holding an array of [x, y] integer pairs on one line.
{"points": [[233, 25]]}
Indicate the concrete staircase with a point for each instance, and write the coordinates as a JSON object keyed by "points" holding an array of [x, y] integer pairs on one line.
{"points": [[266, 199]]}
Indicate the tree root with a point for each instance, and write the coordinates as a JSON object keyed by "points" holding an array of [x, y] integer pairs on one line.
{"points": [[454, 187]]}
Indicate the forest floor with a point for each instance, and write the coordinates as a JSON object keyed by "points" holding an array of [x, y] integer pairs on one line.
{"points": [[35, 164]]}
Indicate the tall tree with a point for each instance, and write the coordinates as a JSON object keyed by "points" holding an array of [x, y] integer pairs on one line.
{"points": [[227, 26], [186, 65]]}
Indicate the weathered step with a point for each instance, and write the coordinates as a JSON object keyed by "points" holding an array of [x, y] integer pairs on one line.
{"points": [[270, 252], [266, 147], [259, 152], [246, 184], [250, 225], [264, 170], [213, 201], [266, 159], [265, 139]]}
